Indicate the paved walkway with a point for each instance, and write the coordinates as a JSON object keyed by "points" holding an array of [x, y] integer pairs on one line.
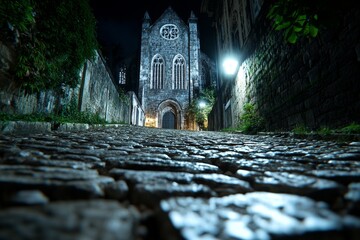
{"points": [[142, 183]]}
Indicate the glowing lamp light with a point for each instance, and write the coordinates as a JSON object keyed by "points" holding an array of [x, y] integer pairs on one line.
{"points": [[230, 66], [202, 104]]}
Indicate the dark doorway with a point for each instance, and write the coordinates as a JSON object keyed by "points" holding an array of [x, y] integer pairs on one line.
{"points": [[168, 120]]}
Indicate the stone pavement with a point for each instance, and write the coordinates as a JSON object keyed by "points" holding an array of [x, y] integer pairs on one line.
{"points": [[143, 183]]}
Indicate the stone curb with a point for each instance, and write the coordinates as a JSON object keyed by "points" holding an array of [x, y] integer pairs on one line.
{"points": [[24, 127], [43, 127], [311, 136], [315, 136]]}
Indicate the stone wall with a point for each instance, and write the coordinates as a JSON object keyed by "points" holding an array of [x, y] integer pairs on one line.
{"points": [[16, 101], [315, 82], [137, 112], [96, 93], [101, 95]]}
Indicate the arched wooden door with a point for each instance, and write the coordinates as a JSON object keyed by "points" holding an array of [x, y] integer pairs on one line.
{"points": [[169, 120], [169, 115]]}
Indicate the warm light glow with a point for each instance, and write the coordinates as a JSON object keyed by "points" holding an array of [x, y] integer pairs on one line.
{"points": [[150, 122], [230, 66]]}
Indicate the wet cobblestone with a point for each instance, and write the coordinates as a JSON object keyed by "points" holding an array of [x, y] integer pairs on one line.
{"points": [[143, 183]]}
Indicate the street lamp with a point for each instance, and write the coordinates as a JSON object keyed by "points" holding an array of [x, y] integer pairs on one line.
{"points": [[202, 104], [230, 65]]}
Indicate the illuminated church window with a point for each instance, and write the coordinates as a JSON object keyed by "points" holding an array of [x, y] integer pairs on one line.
{"points": [[179, 70], [157, 72], [122, 75]]}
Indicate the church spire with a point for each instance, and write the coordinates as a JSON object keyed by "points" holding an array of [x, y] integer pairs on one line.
{"points": [[192, 17], [146, 16], [146, 20]]}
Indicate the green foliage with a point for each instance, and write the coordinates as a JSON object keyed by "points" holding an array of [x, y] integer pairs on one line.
{"points": [[300, 129], [18, 13], [324, 131], [201, 113], [55, 38], [81, 117], [230, 130], [35, 117], [250, 121], [352, 128], [124, 97], [296, 18], [306, 18], [69, 114]]}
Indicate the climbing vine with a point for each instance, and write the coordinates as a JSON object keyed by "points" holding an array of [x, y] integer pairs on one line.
{"points": [[298, 19], [52, 40], [201, 106], [123, 96]]}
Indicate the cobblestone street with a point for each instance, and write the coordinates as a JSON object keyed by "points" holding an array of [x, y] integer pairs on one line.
{"points": [[145, 183]]}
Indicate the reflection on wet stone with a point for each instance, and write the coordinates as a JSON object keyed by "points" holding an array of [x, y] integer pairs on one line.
{"points": [[257, 215], [317, 188], [146, 183]]}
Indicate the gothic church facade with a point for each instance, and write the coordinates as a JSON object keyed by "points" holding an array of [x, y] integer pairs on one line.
{"points": [[173, 71]]}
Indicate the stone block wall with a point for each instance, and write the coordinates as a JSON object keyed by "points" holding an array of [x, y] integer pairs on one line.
{"points": [[315, 82], [100, 94], [137, 111], [16, 101], [96, 93]]}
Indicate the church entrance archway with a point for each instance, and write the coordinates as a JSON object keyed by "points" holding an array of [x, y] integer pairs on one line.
{"points": [[169, 115], [168, 120]]}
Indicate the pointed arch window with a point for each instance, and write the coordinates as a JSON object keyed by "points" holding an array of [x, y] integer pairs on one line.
{"points": [[179, 70], [157, 72], [122, 75]]}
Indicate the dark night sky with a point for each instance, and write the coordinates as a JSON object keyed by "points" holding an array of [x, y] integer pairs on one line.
{"points": [[119, 22]]}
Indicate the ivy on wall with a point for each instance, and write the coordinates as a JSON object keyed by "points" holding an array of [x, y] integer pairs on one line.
{"points": [[305, 18], [52, 40], [296, 18]]}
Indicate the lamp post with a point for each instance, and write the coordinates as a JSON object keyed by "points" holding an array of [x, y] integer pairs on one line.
{"points": [[230, 65]]}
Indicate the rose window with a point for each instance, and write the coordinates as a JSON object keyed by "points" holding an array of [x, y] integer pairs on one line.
{"points": [[169, 31]]}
